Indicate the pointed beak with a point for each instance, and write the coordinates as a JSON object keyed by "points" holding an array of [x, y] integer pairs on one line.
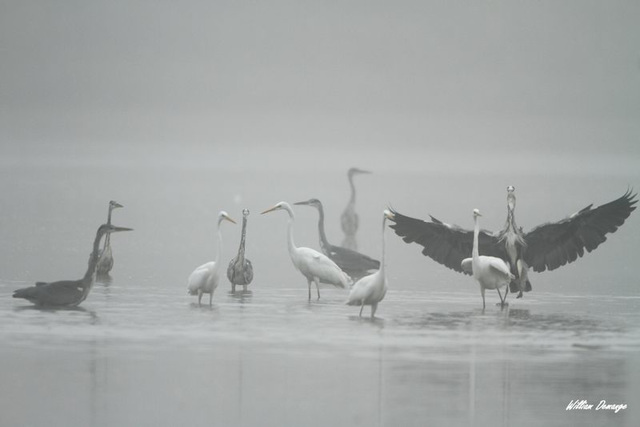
{"points": [[306, 202], [115, 229], [117, 205], [228, 218], [269, 210]]}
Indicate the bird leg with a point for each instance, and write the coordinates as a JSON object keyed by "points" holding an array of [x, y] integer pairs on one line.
{"points": [[199, 296], [233, 288], [309, 283], [482, 293], [316, 280], [374, 307], [502, 301], [211, 298], [361, 308]]}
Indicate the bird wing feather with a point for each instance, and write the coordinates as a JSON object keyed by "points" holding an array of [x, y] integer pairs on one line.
{"points": [[199, 276], [553, 245], [444, 243], [350, 260]]}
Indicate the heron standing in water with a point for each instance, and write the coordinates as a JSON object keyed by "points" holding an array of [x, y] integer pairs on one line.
{"points": [[68, 293], [105, 262], [545, 247], [313, 265], [240, 270], [205, 279], [349, 218], [351, 262], [371, 289]]}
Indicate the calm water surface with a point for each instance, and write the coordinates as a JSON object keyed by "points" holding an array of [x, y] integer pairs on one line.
{"points": [[140, 352]]}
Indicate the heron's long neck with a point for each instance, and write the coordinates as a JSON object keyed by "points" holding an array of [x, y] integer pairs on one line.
{"points": [[384, 222], [476, 231], [242, 238], [352, 200], [107, 239], [323, 237], [93, 261]]}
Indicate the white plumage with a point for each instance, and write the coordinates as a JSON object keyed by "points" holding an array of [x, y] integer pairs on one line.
{"points": [[489, 271], [205, 278], [371, 289], [313, 265]]}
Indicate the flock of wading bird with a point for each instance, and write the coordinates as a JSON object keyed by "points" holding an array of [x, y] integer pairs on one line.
{"points": [[495, 260]]}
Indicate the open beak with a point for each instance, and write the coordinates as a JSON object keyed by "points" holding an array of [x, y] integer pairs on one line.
{"points": [[269, 210]]}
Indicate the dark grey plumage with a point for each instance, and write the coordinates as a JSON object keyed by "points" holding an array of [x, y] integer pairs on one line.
{"points": [[351, 262], [545, 247], [68, 293], [240, 270], [105, 260]]}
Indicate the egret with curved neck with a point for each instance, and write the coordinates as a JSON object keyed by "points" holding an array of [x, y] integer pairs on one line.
{"points": [[349, 218], [351, 262], [371, 289], [316, 267], [490, 272], [68, 293], [240, 270], [205, 279]]}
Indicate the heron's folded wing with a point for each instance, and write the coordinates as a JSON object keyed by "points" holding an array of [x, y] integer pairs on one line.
{"points": [[553, 245]]}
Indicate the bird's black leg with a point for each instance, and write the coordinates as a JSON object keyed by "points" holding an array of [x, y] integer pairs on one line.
{"points": [[309, 283]]}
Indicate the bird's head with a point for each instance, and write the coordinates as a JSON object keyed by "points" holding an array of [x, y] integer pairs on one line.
{"points": [[311, 202], [245, 212], [276, 207], [356, 171], [389, 215], [511, 189], [114, 205], [223, 216], [476, 213]]}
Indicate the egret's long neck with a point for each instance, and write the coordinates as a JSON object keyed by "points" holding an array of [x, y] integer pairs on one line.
{"points": [[242, 238], [291, 244], [475, 254], [89, 276], [384, 222], [219, 245], [323, 237]]}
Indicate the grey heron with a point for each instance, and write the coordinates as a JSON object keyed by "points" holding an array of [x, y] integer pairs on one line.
{"points": [[490, 272], [545, 247], [351, 262], [68, 293], [240, 270], [105, 262], [349, 217], [371, 289], [205, 278], [313, 265]]}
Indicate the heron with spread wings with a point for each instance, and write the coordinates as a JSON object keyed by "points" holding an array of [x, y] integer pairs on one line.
{"points": [[545, 247]]}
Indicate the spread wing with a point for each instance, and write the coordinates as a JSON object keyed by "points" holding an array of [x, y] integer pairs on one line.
{"points": [[444, 243], [553, 245], [350, 260]]}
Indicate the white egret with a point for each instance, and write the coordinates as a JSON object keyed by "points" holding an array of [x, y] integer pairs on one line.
{"points": [[105, 262], [490, 272], [313, 265], [240, 270], [68, 293], [545, 247], [205, 279], [349, 217], [371, 289]]}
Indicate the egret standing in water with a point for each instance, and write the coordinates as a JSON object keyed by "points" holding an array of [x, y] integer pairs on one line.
{"points": [[68, 293], [313, 265], [490, 272], [545, 247], [349, 218], [240, 270], [351, 262], [105, 262], [371, 289], [205, 279]]}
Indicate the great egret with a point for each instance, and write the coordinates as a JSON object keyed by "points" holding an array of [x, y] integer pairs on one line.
{"points": [[68, 293], [545, 247], [490, 272], [349, 218], [105, 262], [205, 279], [240, 270], [351, 262], [371, 289], [313, 265]]}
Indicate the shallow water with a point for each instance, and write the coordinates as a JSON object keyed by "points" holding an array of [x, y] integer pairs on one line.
{"points": [[139, 351]]}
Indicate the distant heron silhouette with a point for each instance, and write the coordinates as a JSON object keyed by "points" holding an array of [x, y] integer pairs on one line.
{"points": [[371, 289], [349, 218], [205, 279], [240, 270], [313, 265], [490, 272], [105, 262], [68, 293], [351, 262], [546, 247]]}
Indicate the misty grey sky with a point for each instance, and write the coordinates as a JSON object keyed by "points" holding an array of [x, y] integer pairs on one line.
{"points": [[449, 81]]}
